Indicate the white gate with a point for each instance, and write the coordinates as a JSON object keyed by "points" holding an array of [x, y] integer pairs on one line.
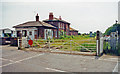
{"points": [[23, 43]]}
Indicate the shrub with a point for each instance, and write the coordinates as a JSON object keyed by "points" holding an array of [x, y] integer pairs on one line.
{"points": [[62, 37], [73, 36]]}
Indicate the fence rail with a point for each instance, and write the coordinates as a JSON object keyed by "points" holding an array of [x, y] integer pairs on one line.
{"points": [[67, 45]]}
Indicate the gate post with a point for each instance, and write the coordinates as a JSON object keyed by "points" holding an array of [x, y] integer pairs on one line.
{"points": [[49, 44], [98, 43], [20, 41]]}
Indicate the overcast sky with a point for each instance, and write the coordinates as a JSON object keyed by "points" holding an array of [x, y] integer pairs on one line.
{"points": [[83, 16]]}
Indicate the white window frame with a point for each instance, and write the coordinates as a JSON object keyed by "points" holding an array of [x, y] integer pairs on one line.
{"points": [[55, 33], [58, 25]]}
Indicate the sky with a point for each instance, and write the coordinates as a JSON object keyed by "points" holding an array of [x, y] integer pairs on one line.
{"points": [[85, 16]]}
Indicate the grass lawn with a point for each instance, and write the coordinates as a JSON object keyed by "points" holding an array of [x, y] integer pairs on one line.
{"points": [[71, 43]]}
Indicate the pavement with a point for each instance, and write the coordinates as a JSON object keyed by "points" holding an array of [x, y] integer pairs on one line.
{"points": [[14, 60]]}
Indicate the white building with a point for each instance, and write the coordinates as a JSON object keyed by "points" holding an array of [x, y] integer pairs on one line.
{"points": [[7, 33]]}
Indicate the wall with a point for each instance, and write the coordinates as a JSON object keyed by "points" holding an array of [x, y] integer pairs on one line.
{"points": [[41, 32], [28, 31], [61, 26], [73, 33], [1, 33]]}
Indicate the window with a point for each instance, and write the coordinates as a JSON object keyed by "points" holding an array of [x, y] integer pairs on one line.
{"points": [[63, 26], [35, 32], [49, 33], [30, 33], [55, 33], [24, 33], [58, 25]]}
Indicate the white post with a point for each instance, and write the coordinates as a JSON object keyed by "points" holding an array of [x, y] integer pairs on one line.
{"points": [[18, 43], [49, 44], [98, 43], [70, 47], [97, 47]]}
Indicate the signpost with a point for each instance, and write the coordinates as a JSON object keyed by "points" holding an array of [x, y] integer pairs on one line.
{"points": [[30, 42]]}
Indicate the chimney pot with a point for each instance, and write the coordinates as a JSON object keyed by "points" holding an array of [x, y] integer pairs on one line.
{"points": [[37, 17], [60, 18], [50, 16]]}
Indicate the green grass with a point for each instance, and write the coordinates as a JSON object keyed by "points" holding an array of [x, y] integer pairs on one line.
{"points": [[70, 43]]}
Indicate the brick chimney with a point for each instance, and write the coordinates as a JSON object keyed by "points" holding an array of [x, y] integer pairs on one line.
{"points": [[37, 17], [60, 18], [50, 16]]}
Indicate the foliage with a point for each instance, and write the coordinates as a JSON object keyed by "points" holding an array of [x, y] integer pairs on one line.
{"points": [[106, 46], [79, 33], [114, 28]]}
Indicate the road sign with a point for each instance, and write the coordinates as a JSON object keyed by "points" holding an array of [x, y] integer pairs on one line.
{"points": [[30, 42]]}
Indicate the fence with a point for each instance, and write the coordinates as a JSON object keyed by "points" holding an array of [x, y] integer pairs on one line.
{"points": [[82, 45], [23, 43], [67, 45], [111, 45]]}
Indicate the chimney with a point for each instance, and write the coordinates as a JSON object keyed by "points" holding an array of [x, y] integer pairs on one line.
{"points": [[60, 18], [37, 17], [51, 16]]}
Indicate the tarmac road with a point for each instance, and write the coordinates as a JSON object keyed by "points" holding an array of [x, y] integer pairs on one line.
{"points": [[14, 60]]}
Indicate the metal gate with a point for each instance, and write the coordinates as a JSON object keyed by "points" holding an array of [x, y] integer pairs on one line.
{"points": [[111, 44]]}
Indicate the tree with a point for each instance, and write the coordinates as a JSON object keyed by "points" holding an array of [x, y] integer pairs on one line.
{"points": [[114, 28]]}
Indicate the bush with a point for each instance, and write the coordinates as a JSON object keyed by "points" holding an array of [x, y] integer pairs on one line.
{"points": [[68, 37], [73, 36], [62, 37]]}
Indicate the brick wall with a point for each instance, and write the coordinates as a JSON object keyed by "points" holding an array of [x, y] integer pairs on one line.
{"points": [[41, 32], [63, 26], [73, 33]]}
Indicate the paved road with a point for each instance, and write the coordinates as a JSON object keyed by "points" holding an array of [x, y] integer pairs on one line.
{"points": [[14, 60]]}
